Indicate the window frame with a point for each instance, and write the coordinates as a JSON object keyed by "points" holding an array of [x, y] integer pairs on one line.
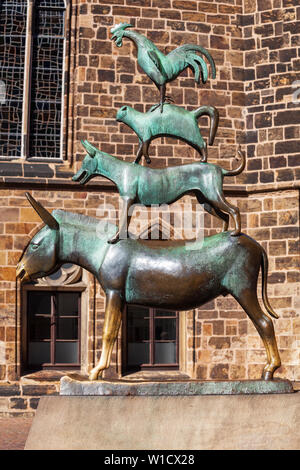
{"points": [[25, 328], [26, 109], [151, 366]]}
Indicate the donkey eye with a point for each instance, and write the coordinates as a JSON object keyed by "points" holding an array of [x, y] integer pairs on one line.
{"points": [[34, 246]]}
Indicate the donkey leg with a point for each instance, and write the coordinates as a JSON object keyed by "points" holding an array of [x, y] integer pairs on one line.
{"points": [[264, 325], [112, 321]]}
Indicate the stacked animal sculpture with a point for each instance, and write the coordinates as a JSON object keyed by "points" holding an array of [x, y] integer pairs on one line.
{"points": [[160, 275], [152, 273]]}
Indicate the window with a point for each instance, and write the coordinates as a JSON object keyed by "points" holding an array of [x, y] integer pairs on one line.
{"points": [[32, 47], [152, 338], [53, 326]]}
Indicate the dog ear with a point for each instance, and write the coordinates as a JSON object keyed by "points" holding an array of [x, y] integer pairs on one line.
{"points": [[46, 217], [91, 150]]}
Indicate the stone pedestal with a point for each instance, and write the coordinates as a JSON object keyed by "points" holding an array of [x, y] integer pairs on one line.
{"points": [[167, 416], [80, 386]]}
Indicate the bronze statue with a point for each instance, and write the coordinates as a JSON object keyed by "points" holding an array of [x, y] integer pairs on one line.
{"points": [[159, 274], [161, 68], [173, 122], [138, 184]]}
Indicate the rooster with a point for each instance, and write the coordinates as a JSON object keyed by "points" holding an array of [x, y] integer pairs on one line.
{"points": [[165, 68]]}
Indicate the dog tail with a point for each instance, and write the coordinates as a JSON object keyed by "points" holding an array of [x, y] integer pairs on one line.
{"points": [[264, 269], [213, 113], [240, 168]]}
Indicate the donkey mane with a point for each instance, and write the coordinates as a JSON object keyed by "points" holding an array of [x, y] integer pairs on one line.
{"points": [[72, 218]]}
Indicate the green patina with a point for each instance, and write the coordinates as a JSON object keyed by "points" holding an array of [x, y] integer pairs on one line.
{"points": [[174, 122], [165, 68]]}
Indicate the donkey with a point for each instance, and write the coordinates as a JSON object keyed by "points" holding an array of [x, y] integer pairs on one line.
{"points": [[159, 274], [138, 184]]}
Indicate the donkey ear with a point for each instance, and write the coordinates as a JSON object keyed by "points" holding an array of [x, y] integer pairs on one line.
{"points": [[46, 217], [91, 150]]}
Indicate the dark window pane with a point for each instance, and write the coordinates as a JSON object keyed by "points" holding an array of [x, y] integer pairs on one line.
{"points": [[67, 328], [138, 324], [165, 329], [39, 353], [13, 16], [138, 353], [39, 328], [66, 353], [39, 303], [68, 303]]}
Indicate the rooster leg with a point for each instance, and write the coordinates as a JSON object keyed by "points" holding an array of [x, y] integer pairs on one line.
{"points": [[162, 89]]}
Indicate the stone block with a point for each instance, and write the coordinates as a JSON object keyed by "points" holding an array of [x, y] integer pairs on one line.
{"points": [[251, 422]]}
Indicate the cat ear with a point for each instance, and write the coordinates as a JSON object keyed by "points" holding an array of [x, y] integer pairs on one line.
{"points": [[46, 217]]}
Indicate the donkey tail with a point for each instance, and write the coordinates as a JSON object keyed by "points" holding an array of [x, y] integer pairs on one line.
{"points": [[264, 269], [213, 113], [240, 168]]}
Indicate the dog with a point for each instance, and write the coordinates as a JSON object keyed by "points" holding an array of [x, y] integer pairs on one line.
{"points": [[139, 184]]}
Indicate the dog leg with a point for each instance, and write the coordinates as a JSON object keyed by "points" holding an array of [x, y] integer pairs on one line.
{"points": [[125, 221], [112, 321], [219, 214], [221, 203]]}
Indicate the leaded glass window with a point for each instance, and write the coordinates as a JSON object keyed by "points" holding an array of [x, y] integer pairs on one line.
{"points": [[13, 14], [31, 117]]}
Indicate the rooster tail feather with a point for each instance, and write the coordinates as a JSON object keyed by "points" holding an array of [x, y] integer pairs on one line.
{"points": [[194, 48], [195, 68], [201, 61]]}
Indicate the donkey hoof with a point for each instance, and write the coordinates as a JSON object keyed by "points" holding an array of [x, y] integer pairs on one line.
{"points": [[93, 375], [235, 233], [267, 375]]}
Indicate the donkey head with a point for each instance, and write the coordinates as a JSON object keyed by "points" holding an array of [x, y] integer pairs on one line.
{"points": [[40, 257], [89, 164]]}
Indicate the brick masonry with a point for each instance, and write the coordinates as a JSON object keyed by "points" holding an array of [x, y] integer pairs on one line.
{"points": [[256, 46]]}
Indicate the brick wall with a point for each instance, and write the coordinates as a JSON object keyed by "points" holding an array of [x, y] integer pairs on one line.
{"points": [[256, 47]]}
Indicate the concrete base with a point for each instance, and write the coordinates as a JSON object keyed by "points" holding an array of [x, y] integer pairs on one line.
{"points": [[79, 386], [236, 422]]}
